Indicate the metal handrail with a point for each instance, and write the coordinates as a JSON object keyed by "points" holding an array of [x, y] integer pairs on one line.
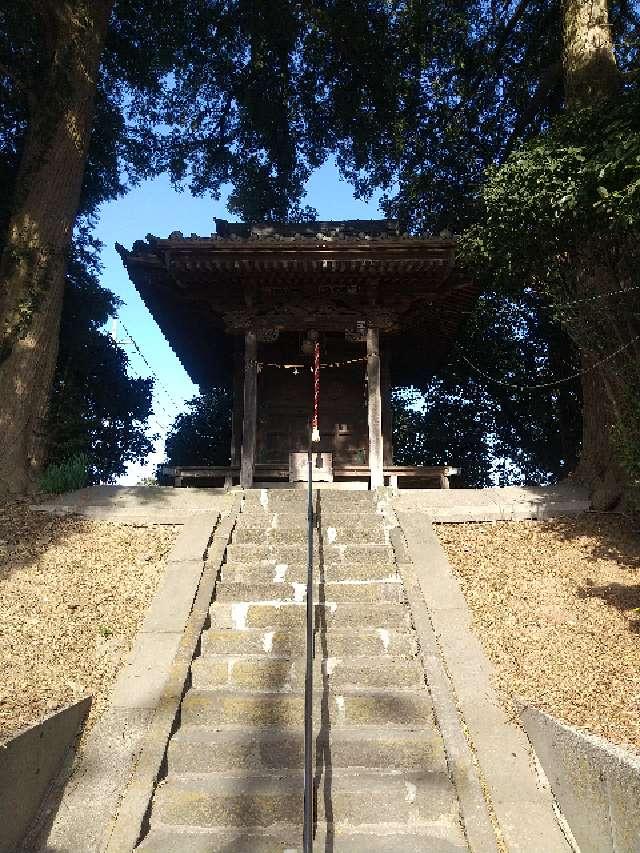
{"points": [[307, 841]]}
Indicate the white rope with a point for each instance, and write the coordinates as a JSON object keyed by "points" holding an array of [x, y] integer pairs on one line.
{"points": [[556, 382]]}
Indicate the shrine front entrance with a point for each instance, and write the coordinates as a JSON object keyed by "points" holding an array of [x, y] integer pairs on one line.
{"points": [[285, 399], [353, 403]]}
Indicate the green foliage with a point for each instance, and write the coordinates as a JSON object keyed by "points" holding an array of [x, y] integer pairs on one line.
{"points": [[263, 92], [418, 98], [202, 434], [476, 77], [65, 476], [96, 408], [421, 438], [148, 482], [575, 186]]}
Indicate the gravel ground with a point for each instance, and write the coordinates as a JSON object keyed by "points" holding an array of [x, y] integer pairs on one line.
{"points": [[73, 593], [554, 604]]}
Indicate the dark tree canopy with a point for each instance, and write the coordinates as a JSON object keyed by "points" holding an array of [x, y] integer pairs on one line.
{"points": [[478, 413], [96, 407], [472, 81], [202, 434], [263, 92], [419, 99]]}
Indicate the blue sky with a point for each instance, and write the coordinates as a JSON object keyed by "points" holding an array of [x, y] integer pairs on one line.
{"points": [[156, 208]]}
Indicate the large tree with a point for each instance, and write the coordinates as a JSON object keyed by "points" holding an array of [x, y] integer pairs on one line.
{"points": [[477, 84], [72, 76], [601, 265], [561, 214], [54, 67]]}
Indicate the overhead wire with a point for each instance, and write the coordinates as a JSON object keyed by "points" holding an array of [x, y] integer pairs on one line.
{"points": [[545, 385], [578, 374], [157, 403], [136, 375], [515, 386], [154, 374], [584, 299]]}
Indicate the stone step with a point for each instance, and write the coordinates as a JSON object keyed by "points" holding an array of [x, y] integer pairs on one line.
{"points": [[299, 507], [372, 555], [340, 533], [446, 838], [280, 616], [296, 497], [380, 642], [269, 591], [211, 800], [295, 571], [257, 672], [345, 707], [359, 495], [197, 749], [299, 521]]}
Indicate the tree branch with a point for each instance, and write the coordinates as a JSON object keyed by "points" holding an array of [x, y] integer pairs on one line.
{"points": [[222, 121], [550, 75], [21, 85], [501, 41]]}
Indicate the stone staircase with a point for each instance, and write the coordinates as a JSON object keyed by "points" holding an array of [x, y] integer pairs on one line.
{"points": [[234, 772]]}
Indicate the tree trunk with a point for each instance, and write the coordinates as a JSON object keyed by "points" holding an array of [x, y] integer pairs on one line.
{"points": [[32, 266], [606, 332], [598, 467], [591, 73], [590, 69]]}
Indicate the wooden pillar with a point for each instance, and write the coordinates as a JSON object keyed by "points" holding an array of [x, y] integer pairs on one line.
{"points": [[238, 407], [374, 409], [250, 406], [387, 410]]}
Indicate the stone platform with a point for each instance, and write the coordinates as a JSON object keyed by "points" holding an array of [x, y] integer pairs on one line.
{"points": [[168, 505], [146, 504], [511, 503]]}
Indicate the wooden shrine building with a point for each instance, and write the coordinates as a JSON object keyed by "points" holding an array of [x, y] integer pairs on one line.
{"points": [[246, 306]]}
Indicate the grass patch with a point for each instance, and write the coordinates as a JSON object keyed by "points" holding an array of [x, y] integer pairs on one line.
{"points": [[66, 476]]}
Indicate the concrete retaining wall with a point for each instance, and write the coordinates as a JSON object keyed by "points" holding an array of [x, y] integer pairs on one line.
{"points": [[29, 763], [596, 784]]}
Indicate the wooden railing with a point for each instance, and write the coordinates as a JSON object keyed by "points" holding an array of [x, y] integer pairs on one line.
{"points": [[179, 475]]}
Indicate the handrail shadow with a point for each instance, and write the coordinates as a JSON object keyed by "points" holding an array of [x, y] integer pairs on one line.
{"points": [[323, 739]]}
